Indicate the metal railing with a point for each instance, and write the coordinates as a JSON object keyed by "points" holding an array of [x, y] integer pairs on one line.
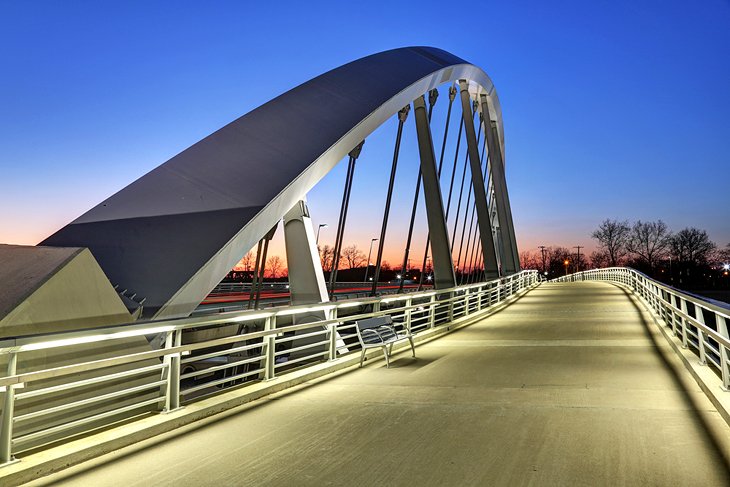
{"points": [[700, 325], [110, 374]]}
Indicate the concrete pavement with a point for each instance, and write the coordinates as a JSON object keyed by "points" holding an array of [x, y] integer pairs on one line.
{"points": [[571, 385]]}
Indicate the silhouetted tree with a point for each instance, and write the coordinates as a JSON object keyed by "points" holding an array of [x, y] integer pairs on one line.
{"points": [[691, 246], [600, 259], [649, 242], [274, 266], [246, 263], [722, 256], [556, 257], [613, 236], [530, 260], [326, 254], [353, 256]]}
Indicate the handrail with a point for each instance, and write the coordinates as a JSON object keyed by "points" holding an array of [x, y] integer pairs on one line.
{"points": [[670, 305], [245, 355]]}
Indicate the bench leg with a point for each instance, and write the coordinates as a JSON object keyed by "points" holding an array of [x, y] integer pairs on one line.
{"points": [[387, 359], [362, 357], [413, 347]]}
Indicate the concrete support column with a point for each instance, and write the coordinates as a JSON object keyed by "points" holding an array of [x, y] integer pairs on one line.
{"points": [[306, 278], [480, 197], [443, 265]]}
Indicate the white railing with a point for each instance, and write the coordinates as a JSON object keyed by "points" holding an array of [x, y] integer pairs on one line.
{"points": [[699, 324], [114, 373]]}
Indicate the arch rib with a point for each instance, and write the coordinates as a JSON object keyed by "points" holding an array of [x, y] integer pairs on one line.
{"points": [[174, 233]]}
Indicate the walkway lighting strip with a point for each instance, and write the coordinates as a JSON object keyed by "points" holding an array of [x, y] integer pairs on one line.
{"points": [[94, 338], [296, 311]]}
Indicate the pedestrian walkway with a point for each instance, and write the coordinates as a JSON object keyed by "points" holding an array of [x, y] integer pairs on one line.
{"points": [[570, 385]]}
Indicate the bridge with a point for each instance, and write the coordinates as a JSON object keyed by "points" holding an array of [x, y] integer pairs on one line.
{"points": [[600, 377]]}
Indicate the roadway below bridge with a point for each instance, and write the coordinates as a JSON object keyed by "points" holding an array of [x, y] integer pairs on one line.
{"points": [[570, 385]]}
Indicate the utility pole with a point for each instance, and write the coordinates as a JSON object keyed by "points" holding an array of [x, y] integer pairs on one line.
{"points": [[577, 260], [542, 251]]}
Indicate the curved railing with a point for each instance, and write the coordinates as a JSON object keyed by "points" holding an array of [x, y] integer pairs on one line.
{"points": [[700, 325], [202, 356]]}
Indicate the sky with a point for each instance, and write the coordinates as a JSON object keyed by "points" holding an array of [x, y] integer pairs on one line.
{"points": [[612, 109]]}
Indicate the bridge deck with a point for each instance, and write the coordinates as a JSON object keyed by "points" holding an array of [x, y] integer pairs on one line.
{"points": [[565, 387]]}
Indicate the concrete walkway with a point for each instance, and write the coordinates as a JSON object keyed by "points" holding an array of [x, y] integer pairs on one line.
{"points": [[568, 386]]}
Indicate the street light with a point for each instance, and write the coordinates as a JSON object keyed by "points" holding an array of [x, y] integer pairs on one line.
{"points": [[367, 267], [320, 227], [566, 266]]}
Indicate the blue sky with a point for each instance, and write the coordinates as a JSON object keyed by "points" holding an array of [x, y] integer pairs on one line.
{"points": [[612, 109]]}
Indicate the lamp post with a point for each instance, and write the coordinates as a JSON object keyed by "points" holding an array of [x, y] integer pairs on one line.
{"points": [[367, 266], [566, 266], [542, 251], [320, 227]]}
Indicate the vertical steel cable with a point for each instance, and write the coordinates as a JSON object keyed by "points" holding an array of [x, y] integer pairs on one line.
{"points": [[463, 177], [468, 239], [477, 261], [473, 254], [263, 271], [255, 277], [453, 170], [463, 229], [354, 154], [402, 116]]}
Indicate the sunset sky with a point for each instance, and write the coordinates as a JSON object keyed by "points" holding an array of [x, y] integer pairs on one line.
{"points": [[612, 109]]}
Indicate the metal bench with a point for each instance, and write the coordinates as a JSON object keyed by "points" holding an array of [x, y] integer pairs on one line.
{"points": [[380, 332]]}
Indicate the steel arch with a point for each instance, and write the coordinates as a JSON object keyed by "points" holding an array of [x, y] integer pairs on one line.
{"points": [[173, 234]]}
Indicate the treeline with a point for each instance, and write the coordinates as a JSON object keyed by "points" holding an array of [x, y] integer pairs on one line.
{"points": [[687, 258]]}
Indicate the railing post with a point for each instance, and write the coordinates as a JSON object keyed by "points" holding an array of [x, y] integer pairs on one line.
{"points": [[172, 362], [466, 302], [721, 324], [270, 348], [480, 296], [409, 303], [700, 317], [332, 335], [432, 312], [683, 303], [6, 435], [451, 307], [331, 314]]}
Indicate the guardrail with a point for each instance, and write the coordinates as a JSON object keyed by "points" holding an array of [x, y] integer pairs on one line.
{"points": [[699, 324], [186, 359]]}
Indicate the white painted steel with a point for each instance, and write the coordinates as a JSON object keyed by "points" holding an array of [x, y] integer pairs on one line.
{"points": [[310, 344], [670, 305]]}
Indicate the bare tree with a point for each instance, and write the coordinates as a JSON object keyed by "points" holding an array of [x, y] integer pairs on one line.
{"points": [[556, 257], [649, 241], [354, 257], [613, 236], [326, 254], [246, 263], [530, 260], [274, 266], [692, 246], [723, 255], [600, 259]]}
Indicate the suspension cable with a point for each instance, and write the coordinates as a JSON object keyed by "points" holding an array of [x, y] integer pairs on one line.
{"points": [[463, 177], [402, 116], [354, 154]]}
